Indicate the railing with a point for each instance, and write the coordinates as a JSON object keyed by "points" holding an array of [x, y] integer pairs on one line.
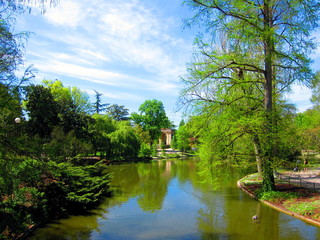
{"points": [[307, 180]]}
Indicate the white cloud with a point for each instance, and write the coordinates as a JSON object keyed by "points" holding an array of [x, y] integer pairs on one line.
{"points": [[85, 73], [67, 13]]}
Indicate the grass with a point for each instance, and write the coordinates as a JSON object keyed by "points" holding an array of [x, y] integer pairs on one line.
{"points": [[305, 208], [252, 179], [276, 196]]}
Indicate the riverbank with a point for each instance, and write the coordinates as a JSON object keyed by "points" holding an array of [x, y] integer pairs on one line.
{"points": [[296, 201]]}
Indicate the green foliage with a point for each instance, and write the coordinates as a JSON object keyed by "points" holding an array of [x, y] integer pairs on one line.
{"points": [[182, 139], [12, 45], [19, 195], [143, 135], [306, 208], [237, 84], [56, 130], [42, 111], [65, 146], [100, 129], [276, 196], [34, 191], [315, 87], [118, 113], [16, 171], [76, 187], [308, 125], [9, 110], [145, 150], [74, 107], [152, 117], [124, 142], [97, 105]]}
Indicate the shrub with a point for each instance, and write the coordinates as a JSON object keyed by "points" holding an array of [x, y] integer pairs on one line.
{"points": [[145, 150]]}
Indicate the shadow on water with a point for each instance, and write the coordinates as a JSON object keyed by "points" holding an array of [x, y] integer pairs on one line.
{"points": [[171, 200]]}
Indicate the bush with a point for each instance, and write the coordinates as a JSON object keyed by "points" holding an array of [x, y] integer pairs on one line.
{"points": [[145, 150], [75, 188], [42, 191]]}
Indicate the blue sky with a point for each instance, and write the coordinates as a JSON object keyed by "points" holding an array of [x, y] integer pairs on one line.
{"points": [[129, 50]]}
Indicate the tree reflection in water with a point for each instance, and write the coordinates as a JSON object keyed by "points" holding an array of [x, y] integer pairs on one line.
{"points": [[171, 200]]}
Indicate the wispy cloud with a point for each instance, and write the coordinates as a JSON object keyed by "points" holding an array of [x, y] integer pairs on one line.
{"points": [[128, 50], [68, 13], [124, 31]]}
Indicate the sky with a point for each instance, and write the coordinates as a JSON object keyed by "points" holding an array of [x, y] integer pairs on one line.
{"points": [[128, 50]]}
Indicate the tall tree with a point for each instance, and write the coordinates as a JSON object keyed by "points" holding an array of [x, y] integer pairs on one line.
{"points": [[42, 111], [69, 95], [268, 45], [98, 106], [152, 117], [74, 107]]}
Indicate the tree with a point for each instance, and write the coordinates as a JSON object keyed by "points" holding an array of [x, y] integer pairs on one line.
{"points": [[152, 117], [182, 138], [69, 95], [42, 110], [118, 113], [125, 144], [268, 44], [65, 147], [101, 128], [11, 47], [74, 107], [9, 110], [12, 44], [98, 106]]}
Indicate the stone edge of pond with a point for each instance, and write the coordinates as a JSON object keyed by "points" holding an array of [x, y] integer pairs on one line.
{"points": [[241, 185]]}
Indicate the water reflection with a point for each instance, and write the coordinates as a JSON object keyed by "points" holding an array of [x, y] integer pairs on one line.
{"points": [[170, 200]]}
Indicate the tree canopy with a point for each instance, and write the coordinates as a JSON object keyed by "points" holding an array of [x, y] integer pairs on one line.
{"points": [[152, 117], [118, 112], [263, 49]]}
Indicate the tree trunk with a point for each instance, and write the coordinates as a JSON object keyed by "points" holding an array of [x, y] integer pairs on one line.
{"points": [[267, 171], [257, 151]]}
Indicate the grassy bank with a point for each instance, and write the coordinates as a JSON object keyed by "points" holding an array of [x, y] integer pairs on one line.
{"points": [[294, 200]]}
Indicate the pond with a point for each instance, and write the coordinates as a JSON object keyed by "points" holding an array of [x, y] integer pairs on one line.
{"points": [[169, 200]]}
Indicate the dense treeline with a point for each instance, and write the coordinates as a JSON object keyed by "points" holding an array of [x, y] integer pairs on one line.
{"points": [[48, 164]]}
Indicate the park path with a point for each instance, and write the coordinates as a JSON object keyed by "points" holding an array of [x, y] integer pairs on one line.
{"points": [[307, 179]]}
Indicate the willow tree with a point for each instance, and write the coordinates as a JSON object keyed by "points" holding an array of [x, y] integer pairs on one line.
{"points": [[268, 42]]}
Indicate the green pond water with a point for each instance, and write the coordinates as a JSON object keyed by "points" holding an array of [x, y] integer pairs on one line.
{"points": [[169, 200]]}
